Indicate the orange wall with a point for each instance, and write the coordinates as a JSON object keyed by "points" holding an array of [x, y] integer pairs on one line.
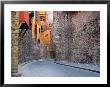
{"points": [[45, 37]]}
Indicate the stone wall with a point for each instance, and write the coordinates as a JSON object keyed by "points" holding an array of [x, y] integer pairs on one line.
{"points": [[26, 47], [86, 39], [77, 36], [14, 42]]}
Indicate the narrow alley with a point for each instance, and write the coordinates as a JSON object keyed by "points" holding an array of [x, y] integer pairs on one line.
{"points": [[41, 40]]}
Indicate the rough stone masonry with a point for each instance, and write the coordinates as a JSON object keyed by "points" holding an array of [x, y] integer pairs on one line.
{"points": [[77, 36], [14, 42]]}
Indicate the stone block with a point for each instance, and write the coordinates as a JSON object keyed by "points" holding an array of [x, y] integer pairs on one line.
{"points": [[15, 42]]}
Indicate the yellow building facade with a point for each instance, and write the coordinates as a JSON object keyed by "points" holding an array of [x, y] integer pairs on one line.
{"points": [[40, 28]]}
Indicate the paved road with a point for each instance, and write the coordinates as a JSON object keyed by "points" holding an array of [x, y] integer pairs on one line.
{"points": [[51, 69]]}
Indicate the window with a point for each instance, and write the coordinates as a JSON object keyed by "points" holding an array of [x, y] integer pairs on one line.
{"points": [[42, 18], [43, 28]]}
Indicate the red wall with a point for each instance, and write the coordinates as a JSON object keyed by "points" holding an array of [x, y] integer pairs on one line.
{"points": [[24, 15]]}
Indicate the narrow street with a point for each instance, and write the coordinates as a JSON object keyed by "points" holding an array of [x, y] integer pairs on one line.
{"points": [[46, 68], [40, 37]]}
